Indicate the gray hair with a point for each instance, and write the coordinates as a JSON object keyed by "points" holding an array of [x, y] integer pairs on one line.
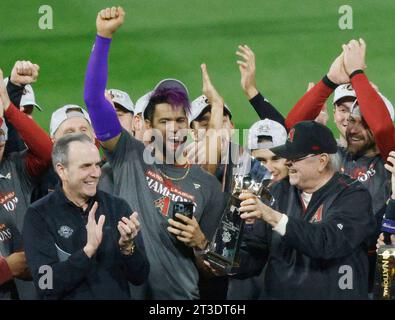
{"points": [[60, 151], [334, 162]]}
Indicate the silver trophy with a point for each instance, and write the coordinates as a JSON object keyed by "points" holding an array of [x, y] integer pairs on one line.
{"points": [[248, 175]]}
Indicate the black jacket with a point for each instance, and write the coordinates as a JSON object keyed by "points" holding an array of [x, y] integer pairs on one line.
{"points": [[323, 254], [54, 235]]}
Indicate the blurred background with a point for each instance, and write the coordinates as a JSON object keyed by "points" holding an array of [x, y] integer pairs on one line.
{"points": [[294, 41]]}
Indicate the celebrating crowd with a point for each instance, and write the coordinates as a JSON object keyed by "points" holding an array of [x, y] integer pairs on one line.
{"points": [[75, 224]]}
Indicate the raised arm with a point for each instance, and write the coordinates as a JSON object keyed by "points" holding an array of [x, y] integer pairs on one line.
{"points": [[39, 144], [23, 73], [102, 114], [372, 106], [247, 67], [213, 138], [311, 104]]}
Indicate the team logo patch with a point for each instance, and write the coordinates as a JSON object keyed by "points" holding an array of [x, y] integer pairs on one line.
{"points": [[65, 232], [317, 215], [163, 204]]}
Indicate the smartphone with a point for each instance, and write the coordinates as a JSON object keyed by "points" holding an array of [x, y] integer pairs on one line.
{"points": [[185, 208]]}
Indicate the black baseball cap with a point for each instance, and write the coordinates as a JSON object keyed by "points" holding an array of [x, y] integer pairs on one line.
{"points": [[307, 137]]}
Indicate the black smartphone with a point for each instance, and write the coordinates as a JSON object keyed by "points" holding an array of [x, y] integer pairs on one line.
{"points": [[185, 208]]}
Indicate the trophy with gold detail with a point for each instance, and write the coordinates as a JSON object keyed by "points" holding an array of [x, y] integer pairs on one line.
{"points": [[248, 175]]}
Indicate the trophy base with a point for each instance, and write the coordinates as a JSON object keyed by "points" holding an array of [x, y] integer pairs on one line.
{"points": [[220, 263]]}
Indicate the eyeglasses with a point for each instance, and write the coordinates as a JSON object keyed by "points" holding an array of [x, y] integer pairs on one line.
{"points": [[300, 159]]}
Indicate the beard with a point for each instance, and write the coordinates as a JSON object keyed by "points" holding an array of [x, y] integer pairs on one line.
{"points": [[358, 151]]}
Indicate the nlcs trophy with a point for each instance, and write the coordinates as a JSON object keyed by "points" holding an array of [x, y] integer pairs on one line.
{"points": [[248, 175]]}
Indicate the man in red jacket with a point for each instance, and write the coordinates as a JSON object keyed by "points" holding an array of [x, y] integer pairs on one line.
{"points": [[18, 172]]}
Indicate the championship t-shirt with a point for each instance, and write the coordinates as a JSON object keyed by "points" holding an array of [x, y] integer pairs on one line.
{"points": [[152, 189]]}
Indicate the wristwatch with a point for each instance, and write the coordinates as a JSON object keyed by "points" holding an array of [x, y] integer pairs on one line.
{"points": [[129, 249]]}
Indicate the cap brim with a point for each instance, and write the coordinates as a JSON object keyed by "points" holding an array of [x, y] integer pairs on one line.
{"points": [[31, 103], [171, 84], [287, 152], [120, 103]]}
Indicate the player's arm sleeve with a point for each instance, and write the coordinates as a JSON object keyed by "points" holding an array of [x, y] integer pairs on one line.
{"points": [[103, 116], [38, 157], [15, 92], [349, 224], [128, 149], [375, 113], [266, 110], [310, 105], [41, 253]]}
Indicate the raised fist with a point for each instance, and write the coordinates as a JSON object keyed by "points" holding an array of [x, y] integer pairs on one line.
{"points": [[24, 72], [109, 20]]}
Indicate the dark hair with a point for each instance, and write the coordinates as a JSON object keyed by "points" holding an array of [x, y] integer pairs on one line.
{"points": [[60, 151], [264, 138], [122, 108], [173, 96]]}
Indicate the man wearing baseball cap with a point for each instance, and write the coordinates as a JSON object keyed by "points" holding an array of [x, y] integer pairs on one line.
{"points": [[18, 173], [263, 135], [370, 132], [22, 96], [138, 121], [68, 119], [212, 128], [343, 98], [154, 180], [319, 224], [124, 107]]}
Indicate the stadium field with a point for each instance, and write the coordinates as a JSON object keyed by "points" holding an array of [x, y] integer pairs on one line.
{"points": [[294, 42]]}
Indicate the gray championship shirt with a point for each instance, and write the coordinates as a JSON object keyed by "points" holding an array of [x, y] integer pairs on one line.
{"points": [[173, 273], [16, 187]]}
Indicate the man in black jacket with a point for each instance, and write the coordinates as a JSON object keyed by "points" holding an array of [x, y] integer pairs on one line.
{"points": [[313, 241], [82, 243]]}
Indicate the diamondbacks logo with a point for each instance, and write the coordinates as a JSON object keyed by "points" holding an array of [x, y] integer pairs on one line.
{"points": [[65, 232], [317, 215], [291, 135], [163, 204]]}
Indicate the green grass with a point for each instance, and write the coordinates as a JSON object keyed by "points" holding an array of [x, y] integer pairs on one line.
{"points": [[294, 41]]}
